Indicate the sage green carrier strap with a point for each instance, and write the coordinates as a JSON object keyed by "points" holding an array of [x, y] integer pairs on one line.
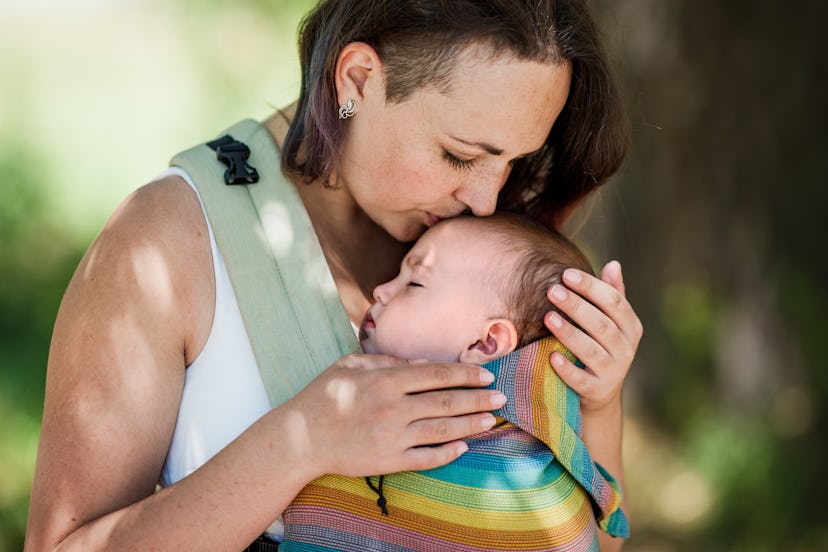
{"points": [[294, 318]]}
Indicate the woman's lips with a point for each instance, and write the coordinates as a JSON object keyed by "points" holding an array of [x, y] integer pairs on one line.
{"points": [[432, 219]]}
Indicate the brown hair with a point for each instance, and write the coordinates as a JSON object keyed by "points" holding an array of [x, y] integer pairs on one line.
{"points": [[418, 42], [542, 257]]}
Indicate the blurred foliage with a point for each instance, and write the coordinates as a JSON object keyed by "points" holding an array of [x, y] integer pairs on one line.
{"points": [[36, 262], [715, 218]]}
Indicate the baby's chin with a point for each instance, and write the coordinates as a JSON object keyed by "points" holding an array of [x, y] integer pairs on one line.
{"points": [[368, 346]]}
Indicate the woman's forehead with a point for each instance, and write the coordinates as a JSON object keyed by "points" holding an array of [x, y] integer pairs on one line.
{"points": [[506, 104]]}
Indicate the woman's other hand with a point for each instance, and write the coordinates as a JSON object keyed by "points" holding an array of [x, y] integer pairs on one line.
{"points": [[608, 337], [606, 344], [376, 414]]}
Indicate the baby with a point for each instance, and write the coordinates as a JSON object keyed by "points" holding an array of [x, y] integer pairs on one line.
{"points": [[473, 290], [470, 290]]}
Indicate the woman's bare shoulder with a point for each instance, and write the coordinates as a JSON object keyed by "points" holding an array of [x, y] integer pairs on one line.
{"points": [[154, 254], [139, 305]]}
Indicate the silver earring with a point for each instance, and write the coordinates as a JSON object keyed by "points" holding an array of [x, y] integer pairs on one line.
{"points": [[347, 109]]}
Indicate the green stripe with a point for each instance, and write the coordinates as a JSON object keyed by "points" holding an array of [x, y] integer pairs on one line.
{"points": [[501, 496]]}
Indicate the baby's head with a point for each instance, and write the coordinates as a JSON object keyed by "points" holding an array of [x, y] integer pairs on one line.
{"points": [[470, 290]]}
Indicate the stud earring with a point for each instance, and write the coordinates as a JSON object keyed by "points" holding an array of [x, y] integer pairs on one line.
{"points": [[347, 109]]}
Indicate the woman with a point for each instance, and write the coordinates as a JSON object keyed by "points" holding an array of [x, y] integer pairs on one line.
{"points": [[453, 105]]}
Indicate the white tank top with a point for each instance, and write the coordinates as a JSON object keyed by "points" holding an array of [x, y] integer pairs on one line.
{"points": [[223, 391]]}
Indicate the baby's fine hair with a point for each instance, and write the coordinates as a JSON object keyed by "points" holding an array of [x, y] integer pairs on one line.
{"points": [[420, 42], [542, 257]]}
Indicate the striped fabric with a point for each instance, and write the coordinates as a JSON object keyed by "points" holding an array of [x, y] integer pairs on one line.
{"points": [[527, 484]]}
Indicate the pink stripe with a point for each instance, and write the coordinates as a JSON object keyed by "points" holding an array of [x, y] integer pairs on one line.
{"points": [[372, 529], [523, 385]]}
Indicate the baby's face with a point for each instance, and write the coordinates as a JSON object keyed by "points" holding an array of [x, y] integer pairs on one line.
{"points": [[442, 297]]}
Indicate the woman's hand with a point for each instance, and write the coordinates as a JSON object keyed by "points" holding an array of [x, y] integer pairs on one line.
{"points": [[610, 336], [376, 414], [606, 346]]}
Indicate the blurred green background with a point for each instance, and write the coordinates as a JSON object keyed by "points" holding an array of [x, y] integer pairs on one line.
{"points": [[715, 218]]}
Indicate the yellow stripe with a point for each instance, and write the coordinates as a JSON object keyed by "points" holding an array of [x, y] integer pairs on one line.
{"points": [[511, 537], [476, 518]]}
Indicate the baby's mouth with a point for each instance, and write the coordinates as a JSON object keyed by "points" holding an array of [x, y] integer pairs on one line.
{"points": [[367, 323]]}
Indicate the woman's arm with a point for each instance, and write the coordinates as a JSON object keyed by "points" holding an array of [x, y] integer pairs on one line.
{"points": [[607, 347], [137, 311]]}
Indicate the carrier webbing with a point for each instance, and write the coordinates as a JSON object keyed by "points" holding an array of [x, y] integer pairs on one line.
{"points": [[294, 319]]}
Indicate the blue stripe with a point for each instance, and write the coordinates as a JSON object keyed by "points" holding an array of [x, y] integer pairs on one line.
{"points": [[505, 477]]}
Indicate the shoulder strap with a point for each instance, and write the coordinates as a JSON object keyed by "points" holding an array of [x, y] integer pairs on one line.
{"points": [[292, 313]]}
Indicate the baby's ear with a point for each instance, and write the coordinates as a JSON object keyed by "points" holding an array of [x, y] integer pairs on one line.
{"points": [[499, 337]]}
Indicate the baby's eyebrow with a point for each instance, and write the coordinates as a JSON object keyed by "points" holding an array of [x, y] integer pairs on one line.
{"points": [[416, 263]]}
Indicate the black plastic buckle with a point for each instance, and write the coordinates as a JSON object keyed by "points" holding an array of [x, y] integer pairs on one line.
{"points": [[234, 154]]}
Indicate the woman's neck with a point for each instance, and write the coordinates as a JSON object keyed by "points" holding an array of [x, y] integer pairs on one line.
{"points": [[360, 254]]}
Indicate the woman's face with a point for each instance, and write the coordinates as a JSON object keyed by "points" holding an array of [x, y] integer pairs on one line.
{"points": [[440, 153]]}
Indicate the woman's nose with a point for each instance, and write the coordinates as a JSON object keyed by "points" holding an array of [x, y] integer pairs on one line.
{"points": [[480, 195]]}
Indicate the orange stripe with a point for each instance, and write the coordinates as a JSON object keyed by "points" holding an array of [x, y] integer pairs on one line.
{"points": [[365, 506]]}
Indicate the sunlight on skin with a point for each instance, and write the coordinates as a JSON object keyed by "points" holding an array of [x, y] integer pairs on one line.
{"points": [[343, 393], [148, 259], [152, 267], [138, 354], [297, 435]]}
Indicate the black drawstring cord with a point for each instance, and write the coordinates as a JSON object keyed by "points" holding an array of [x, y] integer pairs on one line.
{"points": [[381, 502]]}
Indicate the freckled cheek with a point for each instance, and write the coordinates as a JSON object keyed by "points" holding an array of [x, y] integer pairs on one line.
{"points": [[433, 184]]}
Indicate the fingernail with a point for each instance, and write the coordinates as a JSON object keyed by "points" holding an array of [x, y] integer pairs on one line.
{"points": [[557, 359], [555, 320], [486, 377], [497, 399], [558, 292], [487, 421], [572, 275], [461, 448]]}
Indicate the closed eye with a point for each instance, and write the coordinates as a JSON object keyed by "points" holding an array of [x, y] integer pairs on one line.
{"points": [[456, 162]]}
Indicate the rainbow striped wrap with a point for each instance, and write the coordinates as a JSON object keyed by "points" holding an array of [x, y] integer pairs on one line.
{"points": [[527, 484]]}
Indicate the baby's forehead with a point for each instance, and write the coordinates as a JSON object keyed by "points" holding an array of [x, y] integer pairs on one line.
{"points": [[473, 232], [464, 227], [480, 240]]}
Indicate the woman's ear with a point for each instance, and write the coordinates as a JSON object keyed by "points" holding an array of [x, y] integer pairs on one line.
{"points": [[499, 337], [357, 66]]}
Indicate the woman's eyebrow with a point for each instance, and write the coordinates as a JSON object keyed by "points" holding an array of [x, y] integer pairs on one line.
{"points": [[494, 150]]}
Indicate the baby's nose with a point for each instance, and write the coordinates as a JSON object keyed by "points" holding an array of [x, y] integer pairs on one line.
{"points": [[382, 293]]}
